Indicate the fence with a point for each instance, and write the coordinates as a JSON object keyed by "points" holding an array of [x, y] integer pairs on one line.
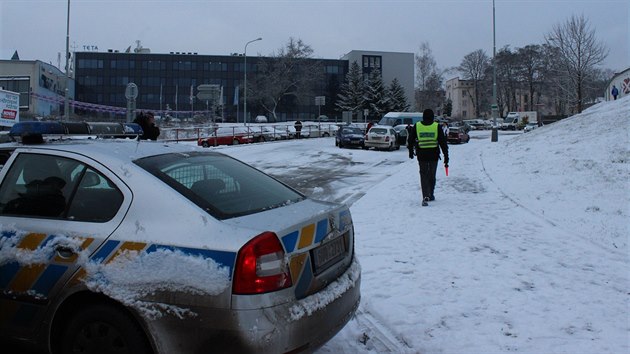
{"points": [[259, 133]]}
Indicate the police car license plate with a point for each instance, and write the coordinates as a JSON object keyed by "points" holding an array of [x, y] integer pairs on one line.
{"points": [[329, 253]]}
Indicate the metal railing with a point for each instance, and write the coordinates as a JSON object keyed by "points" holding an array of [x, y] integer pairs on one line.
{"points": [[260, 133]]}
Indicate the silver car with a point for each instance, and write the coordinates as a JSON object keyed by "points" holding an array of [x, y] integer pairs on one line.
{"points": [[135, 246]]}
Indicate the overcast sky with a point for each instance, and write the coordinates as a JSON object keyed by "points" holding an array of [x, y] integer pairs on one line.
{"points": [[453, 28]]}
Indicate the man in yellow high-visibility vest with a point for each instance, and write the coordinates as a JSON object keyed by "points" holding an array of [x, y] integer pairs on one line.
{"points": [[426, 138]]}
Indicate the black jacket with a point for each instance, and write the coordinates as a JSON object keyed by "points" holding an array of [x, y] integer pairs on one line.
{"points": [[427, 154]]}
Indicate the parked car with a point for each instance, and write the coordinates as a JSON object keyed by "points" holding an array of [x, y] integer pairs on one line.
{"points": [[291, 132], [476, 124], [381, 137], [529, 127], [319, 130], [227, 136], [457, 135], [350, 137], [137, 247], [261, 119], [262, 133]]}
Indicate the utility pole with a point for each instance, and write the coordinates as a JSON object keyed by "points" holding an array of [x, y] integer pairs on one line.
{"points": [[495, 107], [245, 80], [66, 105]]}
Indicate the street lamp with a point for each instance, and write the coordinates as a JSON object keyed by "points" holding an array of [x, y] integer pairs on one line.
{"points": [[495, 108], [66, 105], [245, 81]]}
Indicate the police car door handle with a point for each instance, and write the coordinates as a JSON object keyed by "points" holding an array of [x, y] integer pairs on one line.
{"points": [[64, 252]]}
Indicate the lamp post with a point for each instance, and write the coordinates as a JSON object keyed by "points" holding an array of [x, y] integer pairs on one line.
{"points": [[495, 108], [66, 105], [245, 80]]}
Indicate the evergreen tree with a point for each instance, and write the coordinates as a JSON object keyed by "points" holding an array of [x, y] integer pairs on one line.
{"points": [[448, 107], [350, 97], [376, 100], [397, 98]]}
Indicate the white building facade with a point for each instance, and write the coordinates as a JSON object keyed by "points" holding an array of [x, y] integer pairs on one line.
{"points": [[393, 65], [461, 93]]}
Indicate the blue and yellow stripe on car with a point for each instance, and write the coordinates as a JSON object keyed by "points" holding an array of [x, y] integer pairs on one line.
{"points": [[308, 236], [25, 288]]}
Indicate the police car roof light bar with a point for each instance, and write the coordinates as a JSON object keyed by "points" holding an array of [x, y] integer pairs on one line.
{"points": [[99, 129]]}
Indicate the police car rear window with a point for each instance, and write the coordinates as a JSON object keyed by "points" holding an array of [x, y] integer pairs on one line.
{"points": [[219, 184]]}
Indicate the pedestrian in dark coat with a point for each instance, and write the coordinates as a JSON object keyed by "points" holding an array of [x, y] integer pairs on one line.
{"points": [[298, 129], [369, 125], [614, 92], [426, 138], [147, 122]]}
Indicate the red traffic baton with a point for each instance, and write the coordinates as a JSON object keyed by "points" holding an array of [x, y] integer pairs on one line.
{"points": [[446, 169]]}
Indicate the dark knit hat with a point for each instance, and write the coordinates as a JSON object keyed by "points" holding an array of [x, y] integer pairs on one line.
{"points": [[428, 115]]}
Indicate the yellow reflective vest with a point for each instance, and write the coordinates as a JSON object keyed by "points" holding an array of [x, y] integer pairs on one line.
{"points": [[427, 135]]}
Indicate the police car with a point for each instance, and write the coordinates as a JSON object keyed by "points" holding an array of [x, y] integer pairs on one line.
{"points": [[122, 245]]}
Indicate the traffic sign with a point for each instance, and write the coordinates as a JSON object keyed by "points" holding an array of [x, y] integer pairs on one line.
{"points": [[208, 92], [131, 92], [207, 95]]}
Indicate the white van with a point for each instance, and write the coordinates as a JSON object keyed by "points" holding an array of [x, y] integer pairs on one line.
{"points": [[397, 118]]}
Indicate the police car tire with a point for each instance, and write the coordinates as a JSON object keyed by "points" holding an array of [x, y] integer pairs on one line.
{"points": [[103, 328]]}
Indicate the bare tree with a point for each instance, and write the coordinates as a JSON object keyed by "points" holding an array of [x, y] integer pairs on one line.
{"points": [[530, 70], [425, 65], [580, 52], [429, 80], [474, 67], [505, 62], [287, 77]]}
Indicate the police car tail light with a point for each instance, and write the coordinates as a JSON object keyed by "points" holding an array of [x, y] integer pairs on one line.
{"points": [[261, 266]]}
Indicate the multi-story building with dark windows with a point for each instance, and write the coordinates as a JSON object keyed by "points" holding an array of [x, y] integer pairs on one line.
{"points": [[168, 84]]}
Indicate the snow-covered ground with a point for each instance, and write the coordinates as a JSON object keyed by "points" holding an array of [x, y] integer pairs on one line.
{"points": [[525, 249]]}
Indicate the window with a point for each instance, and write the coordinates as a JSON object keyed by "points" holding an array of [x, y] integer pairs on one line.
{"points": [[47, 186], [152, 65], [215, 66], [372, 61], [89, 64], [332, 69], [20, 85], [221, 185]]}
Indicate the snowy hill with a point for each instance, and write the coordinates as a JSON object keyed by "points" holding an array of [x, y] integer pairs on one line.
{"points": [[525, 249]]}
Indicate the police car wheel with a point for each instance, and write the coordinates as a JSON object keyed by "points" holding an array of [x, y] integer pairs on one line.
{"points": [[103, 329]]}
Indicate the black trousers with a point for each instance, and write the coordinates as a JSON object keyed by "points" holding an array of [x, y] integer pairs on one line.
{"points": [[427, 177]]}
